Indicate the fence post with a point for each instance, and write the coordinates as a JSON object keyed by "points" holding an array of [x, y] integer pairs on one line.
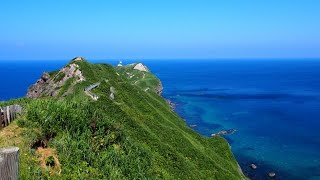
{"points": [[12, 115], [5, 116], [9, 163], [1, 118], [8, 115]]}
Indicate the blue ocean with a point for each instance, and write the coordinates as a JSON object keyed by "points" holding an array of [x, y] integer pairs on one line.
{"points": [[273, 104]]}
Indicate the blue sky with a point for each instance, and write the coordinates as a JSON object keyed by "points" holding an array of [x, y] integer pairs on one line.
{"points": [[166, 29]]}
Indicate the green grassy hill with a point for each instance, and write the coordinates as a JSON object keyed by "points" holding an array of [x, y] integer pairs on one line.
{"points": [[144, 79], [132, 135]]}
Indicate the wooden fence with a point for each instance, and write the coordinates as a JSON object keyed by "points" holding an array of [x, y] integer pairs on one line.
{"points": [[8, 114]]}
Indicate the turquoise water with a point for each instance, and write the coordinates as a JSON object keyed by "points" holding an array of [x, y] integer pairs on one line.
{"points": [[273, 104]]}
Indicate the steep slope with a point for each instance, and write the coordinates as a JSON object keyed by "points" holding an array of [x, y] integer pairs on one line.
{"points": [[55, 83], [128, 132]]}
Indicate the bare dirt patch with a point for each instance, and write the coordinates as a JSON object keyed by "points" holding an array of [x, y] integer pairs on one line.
{"points": [[44, 154]]}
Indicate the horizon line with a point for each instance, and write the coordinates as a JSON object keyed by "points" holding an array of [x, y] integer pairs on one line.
{"points": [[178, 59]]}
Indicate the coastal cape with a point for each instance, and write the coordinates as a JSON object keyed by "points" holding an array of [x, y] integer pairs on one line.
{"points": [[97, 121]]}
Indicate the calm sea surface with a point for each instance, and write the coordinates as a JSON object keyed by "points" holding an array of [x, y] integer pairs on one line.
{"points": [[273, 104]]}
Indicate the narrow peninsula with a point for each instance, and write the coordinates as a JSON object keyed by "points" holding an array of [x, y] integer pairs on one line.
{"points": [[97, 121]]}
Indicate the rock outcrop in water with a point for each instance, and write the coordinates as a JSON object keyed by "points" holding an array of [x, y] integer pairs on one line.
{"points": [[272, 174], [224, 132], [253, 166], [171, 104]]}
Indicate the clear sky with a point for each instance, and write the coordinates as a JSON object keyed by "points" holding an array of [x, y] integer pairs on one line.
{"points": [[162, 29]]}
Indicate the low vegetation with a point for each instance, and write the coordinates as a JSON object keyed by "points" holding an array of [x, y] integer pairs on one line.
{"points": [[133, 136]]}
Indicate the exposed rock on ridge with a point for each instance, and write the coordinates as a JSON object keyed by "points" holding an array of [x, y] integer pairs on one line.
{"points": [[50, 85], [141, 67]]}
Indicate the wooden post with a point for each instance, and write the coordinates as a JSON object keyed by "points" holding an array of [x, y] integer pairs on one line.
{"points": [[1, 121], [11, 113], [1, 117], [18, 109], [5, 116], [8, 115], [9, 163]]}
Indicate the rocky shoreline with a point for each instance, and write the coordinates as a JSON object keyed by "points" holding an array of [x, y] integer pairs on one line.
{"points": [[159, 89], [224, 132], [171, 104]]}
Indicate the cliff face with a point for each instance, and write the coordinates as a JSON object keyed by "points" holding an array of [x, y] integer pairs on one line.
{"points": [[40, 87], [50, 85], [159, 88]]}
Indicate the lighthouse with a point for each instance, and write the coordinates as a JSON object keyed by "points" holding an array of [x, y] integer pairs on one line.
{"points": [[120, 63]]}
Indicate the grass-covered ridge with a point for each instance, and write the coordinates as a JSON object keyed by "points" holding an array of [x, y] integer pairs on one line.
{"points": [[144, 79], [134, 135]]}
